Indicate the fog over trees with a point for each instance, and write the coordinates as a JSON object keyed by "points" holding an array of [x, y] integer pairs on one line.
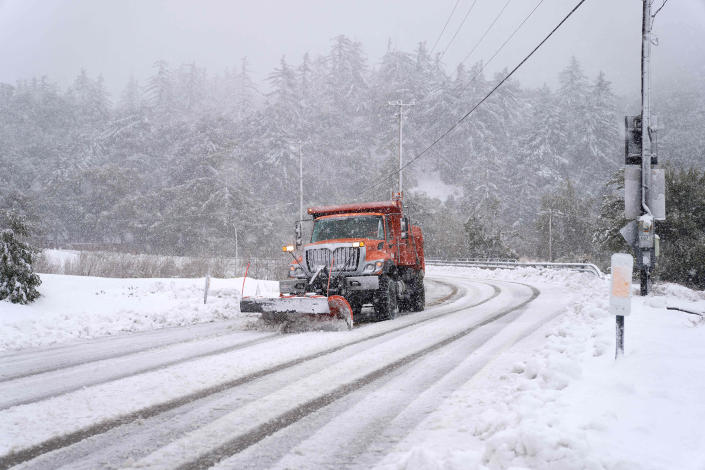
{"points": [[181, 162]]}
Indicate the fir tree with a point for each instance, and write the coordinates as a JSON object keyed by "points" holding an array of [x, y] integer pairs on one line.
{"points": [[18, 282]]}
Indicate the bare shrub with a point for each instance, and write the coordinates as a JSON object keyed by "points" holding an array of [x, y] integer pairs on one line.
{"points": [[124, 265]]}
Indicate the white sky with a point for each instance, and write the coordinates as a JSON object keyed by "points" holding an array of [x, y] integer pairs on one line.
{"points": [[119, 38]]}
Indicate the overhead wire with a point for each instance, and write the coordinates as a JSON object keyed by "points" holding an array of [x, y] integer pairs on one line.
{"points": [[658, 10], [499, 49], [478, 104], [457, 2], [487, 30], [459, 28], [506, 41]]}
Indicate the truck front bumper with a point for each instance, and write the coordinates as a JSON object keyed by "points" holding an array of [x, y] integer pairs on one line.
{"points": [[352, 283], [362, 283]]}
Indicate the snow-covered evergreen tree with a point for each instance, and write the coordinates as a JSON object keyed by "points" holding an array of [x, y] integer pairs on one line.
{"points": [[18, 281], [131, 99], [124, 172], [572, 101], [160, 88], [602, 142]]}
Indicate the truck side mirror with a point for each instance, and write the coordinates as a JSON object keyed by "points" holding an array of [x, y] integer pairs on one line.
{"points": [[297, 232], [404, 227]]}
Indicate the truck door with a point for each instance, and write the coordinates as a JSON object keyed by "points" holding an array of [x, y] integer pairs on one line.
{"points": [[406, 249]]}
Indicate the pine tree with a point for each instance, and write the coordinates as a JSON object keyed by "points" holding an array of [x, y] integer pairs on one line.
{"points": [[572, 102], [245, 91], [18, 282], [131, 99], [606, 237], [160, 88], [345, 83], [602, 143], [191, 87]]}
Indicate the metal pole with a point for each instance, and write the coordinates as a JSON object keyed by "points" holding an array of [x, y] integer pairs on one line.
{"points": [[550, 236], [645, 138], [620, 337], [236, 257], [401, 105], [401, 117], [301, 185]]}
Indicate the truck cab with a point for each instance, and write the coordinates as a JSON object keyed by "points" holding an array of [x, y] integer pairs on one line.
{"points": [[369, 253]]}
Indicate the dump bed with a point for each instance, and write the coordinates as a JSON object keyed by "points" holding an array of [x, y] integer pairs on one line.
{"points": [[384, 207]]}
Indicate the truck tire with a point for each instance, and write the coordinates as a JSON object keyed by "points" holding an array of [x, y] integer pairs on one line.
{"points": [[385, 304], [417, 299], [356, 306]]}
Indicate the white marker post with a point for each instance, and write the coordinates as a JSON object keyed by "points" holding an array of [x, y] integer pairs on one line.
{"points": [[205, 288], [621, 294]]}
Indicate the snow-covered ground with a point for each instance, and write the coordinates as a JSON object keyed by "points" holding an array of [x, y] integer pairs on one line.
{"points": [[78, 307], [559, 400], [546, 398]]}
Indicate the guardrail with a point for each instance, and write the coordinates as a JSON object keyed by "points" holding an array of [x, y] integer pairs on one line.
{"points": [[513, 264]]}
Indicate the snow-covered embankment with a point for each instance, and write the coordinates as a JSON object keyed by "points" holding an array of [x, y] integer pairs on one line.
{"points": [[76, 307], [559, 400]]}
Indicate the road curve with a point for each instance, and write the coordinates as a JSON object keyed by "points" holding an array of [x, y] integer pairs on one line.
{"points": [[227, 398]]}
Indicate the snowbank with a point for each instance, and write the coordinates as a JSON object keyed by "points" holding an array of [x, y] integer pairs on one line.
{"points": [[73, 307], [559, 400]]}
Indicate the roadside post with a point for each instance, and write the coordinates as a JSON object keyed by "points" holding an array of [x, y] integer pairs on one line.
{"points": [[621, 294], [205, 288]]}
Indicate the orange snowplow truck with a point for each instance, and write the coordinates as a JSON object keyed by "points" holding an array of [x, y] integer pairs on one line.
{"points": [[368, 253], [359, 254]]}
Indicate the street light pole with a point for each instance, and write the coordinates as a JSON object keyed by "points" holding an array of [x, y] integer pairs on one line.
{"points": [[550, 213]]}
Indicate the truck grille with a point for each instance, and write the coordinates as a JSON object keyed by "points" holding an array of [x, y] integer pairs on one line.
{"points": [[345, 258]]}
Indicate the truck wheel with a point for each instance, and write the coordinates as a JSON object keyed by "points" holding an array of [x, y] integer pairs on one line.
{"points": [[418, 295], [356, 306], [386, 306]]}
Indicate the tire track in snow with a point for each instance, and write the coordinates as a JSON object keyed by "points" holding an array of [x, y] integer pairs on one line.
{"points": [[46, 360], [141, 438], [384, 413], [19, 456], [38, 394], [243, 441]]}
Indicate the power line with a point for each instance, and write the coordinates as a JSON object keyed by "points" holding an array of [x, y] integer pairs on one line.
{"points": [[459, 28], [487, 30], [499, 49], [658, 10], [444, 26], [506, 41], [479, 103]]}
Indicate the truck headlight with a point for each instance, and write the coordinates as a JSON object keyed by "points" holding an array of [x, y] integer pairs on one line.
{"points": [[373, 267]]}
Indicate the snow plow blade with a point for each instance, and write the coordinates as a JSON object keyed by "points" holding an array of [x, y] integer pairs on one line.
{"points": [[292, 308]]}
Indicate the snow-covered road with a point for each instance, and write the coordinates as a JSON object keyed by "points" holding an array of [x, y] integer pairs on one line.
{"points": [[215, 395]]}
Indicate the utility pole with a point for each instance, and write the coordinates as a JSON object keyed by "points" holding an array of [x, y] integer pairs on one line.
{"points": [[647, 262], [644, 186], [301, 185], [401, 105], [550, 213]]}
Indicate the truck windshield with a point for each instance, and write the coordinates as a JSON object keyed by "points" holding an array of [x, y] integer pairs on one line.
{"points": [[369, 226]]}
